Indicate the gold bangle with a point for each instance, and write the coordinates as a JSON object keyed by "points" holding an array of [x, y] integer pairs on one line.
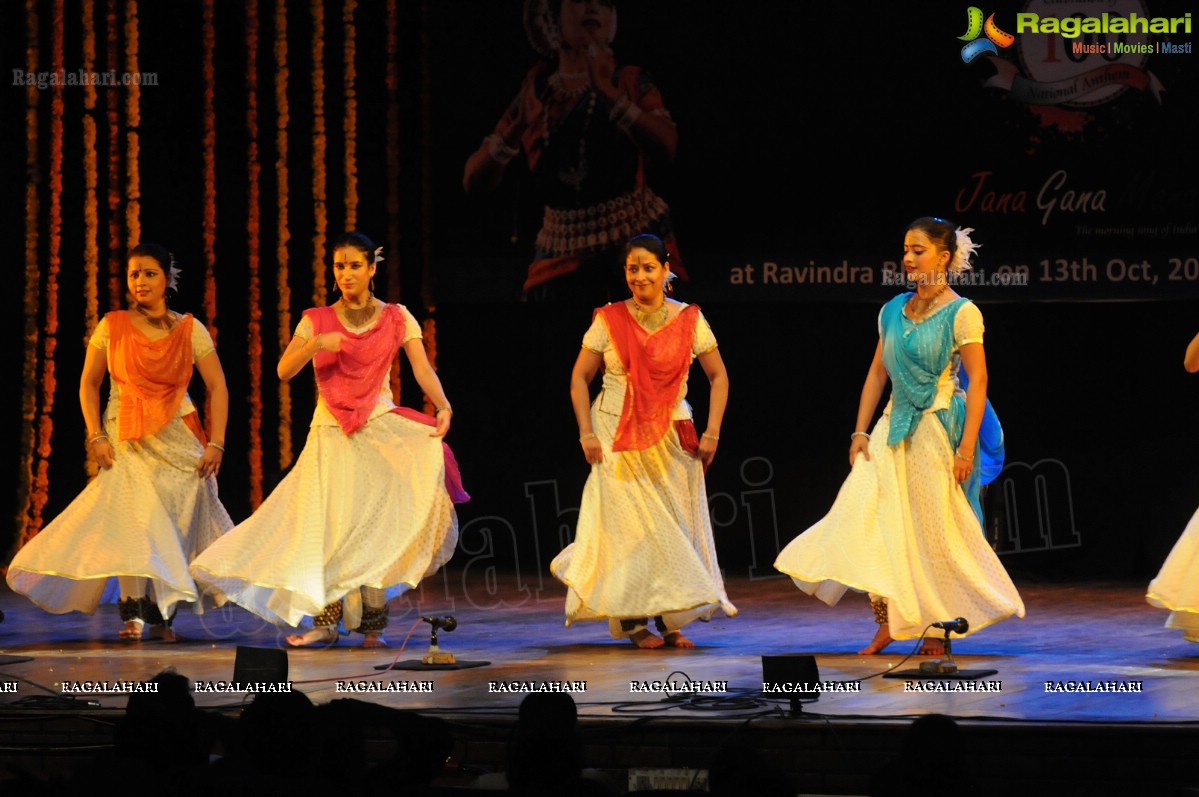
{"points": [[711, 436], [437, 410], [217, 446], [103, 437], [588, 436]]}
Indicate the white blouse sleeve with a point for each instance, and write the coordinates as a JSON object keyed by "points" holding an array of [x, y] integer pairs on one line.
{"points": [[304, 328], [705, 341], [967, 325], [99, 338], [596, 337], [202, 344]]}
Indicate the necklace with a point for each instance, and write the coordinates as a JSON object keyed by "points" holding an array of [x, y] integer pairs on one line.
{"points": [[651, 319], [921, 307], [164, 321], [573, 175], [357, 316]]}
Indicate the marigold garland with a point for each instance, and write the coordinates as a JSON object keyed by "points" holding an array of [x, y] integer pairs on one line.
{"points": [[284, 233], [91, 221], [112, 106], [41, 480], [32, 281], [320, 218], [209, 160], [133, 226], [351, 115], [254, 332], [393, 173]]}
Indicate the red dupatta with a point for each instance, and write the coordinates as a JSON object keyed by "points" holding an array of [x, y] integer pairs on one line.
{"points": [[151, 375], [655, 364]]}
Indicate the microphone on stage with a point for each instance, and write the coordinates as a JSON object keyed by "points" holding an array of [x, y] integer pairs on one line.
{"points": [[448, 622], [958, 626]]}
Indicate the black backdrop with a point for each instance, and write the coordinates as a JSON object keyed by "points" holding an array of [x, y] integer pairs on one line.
{"points": [[810, 134]]}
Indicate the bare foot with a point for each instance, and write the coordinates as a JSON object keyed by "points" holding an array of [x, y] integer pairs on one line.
{"points": [[163, 633], [675, 639], [373, 639], [882, 638], [322, 634], [932, 647], [646, 640], [132, 632]]}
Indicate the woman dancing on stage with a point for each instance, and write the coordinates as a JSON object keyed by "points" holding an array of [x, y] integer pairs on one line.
{"points": [[367, 511], [1176, 586], [643, 546], [906, 525], [153, 507]]}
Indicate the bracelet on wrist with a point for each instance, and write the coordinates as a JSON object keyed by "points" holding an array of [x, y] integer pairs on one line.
{"points": [[962, 458], [715, 437], [438, 410], [859, 434], [96, 438], [588, 436], [217, 446]]}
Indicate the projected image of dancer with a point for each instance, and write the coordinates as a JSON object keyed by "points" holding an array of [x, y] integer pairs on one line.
{"points": [[587, 126], [906, 526], [153, 507], [368, 509], [643, 546], [1176, 586]]}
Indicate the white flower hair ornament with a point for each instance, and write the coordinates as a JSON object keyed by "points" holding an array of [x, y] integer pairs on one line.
{"points": [[378, 255], [965, 250]]}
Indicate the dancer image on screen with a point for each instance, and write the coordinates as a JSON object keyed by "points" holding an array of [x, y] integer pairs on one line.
{"points": [[906, 526], [153, 506], [367, 511], [643, 546], [1176, 586], [588, 126]]}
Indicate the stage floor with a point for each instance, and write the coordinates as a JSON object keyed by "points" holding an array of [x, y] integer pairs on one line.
{"points": [[1104, 634]]}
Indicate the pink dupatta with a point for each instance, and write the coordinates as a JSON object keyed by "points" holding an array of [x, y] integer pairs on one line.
{"points": [[349, 379]]}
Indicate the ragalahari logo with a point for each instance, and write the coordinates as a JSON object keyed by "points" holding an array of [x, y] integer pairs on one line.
{"points": [[995, 40], [1073, 55]]}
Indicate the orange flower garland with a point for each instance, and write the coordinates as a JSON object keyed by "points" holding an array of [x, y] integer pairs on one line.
{"points": [[91, 221], [393, 173], [351, 116], [254, 333], [133, 120], [32, 280], [41, 480], [284, 233], [320, 218], [209, 158], [116, 277]]}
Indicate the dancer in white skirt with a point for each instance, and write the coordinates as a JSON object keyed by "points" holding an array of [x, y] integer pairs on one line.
{"points": [[153, 507], [906, 525], [643, 545], [1176, 586], [367, 510]]}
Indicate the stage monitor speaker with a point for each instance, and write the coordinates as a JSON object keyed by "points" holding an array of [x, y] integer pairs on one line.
{"points": [[260, 666], [791, 668]]}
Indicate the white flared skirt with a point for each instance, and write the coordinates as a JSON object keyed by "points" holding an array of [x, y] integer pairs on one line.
{"points": [[148, 516], [902, 529], [643, 545], [363, 510], [1176, 586]]}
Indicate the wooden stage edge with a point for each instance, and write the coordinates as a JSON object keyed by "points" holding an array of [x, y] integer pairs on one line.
{"points": [[1027, 726]]}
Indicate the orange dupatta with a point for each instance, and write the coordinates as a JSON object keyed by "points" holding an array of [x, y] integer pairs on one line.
{"points": [[152, 375], [655, 364]]}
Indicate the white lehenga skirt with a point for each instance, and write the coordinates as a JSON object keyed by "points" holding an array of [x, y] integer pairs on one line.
{"points": [[149, 515], [368, 509], [1176, 586], [902, 529], [643, 544]]}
